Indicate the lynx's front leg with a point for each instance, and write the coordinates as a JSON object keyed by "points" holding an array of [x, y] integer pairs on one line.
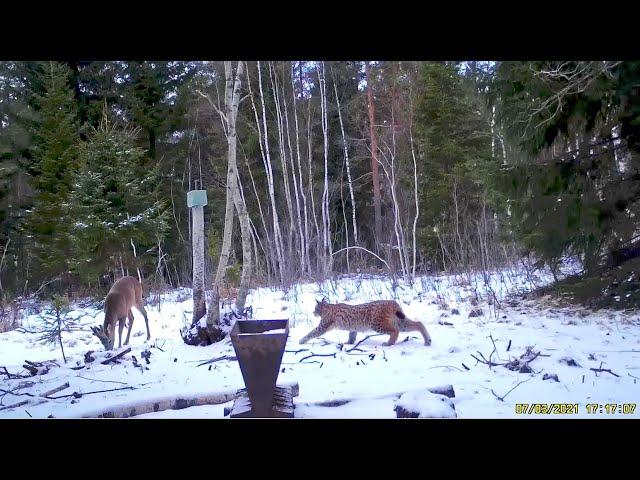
{"points": [[352, 337], [316, 332]]}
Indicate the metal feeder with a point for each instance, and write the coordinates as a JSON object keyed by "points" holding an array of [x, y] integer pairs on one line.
{"points": [[259, 354]]}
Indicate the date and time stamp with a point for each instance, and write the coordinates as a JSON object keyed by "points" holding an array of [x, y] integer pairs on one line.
{"points": [[575, 408]]}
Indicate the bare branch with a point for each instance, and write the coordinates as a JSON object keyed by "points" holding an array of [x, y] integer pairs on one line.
{"points": [[365, 338], [115, 357], [362, 248]]}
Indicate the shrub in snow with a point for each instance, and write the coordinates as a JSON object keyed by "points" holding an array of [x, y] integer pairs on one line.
{"points": [[54, 321]]}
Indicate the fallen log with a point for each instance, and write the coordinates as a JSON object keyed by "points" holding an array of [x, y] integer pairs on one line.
{"points": [[15, 405], [446, 390], [173, 403], [55, 390]]}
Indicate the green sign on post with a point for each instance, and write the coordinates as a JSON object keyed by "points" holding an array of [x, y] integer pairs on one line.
{"points": [[196, 198]]}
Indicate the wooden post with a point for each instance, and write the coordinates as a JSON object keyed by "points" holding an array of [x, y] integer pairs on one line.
{"points": [[196, 200]]}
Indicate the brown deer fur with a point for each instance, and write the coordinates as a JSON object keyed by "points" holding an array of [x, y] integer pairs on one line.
{"points": [[124, 294]]}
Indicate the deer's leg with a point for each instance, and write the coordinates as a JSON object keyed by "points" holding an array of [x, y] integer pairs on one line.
{"points": [[130, 315], [120, 328], [141, 309]]}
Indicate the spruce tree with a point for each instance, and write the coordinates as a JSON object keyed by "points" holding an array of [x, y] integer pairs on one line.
{"points": [[454, 141], [55, 155], [574, 188], [115, 204]]}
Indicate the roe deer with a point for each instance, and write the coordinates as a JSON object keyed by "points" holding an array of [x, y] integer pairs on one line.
{"points": [[124, 294]]}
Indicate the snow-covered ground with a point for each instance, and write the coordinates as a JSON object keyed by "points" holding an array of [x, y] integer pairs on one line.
{"points": [[364, 383]]}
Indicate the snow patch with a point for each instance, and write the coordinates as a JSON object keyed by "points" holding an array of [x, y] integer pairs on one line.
{"points": [[426, 404]]}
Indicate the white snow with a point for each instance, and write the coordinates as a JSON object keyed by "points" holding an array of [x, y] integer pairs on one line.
{"points": [[427, 404], [267, 332], [363, 383]]}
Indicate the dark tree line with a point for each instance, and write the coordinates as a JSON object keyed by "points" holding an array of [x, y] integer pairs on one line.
{"points": [[396, 167]]}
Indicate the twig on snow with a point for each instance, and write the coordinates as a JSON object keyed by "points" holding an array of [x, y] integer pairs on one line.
{"points": [[79, 395], [317, 355], [231, 358], [364, 339], [608, 370], [117, 356], [501, 398]]}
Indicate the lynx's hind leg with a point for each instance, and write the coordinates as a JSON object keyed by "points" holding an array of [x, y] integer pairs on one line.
{"points": [[352, 337], [393, 337], [406, 325], [388, 326]]}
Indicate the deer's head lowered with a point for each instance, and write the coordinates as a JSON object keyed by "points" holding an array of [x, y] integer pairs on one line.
{"points": [[124, 294]]}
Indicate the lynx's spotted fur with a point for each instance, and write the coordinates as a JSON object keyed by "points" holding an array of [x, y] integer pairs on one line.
{"points": [[382, 316]]}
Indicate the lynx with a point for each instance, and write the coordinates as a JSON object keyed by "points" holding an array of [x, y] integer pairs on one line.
{"points": [[382, 316]]}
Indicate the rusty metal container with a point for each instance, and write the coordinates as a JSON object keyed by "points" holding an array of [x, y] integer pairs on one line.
{"points": [[259, 347]]}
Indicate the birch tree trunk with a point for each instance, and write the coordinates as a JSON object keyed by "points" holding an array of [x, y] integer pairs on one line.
{"points": [[346, 159], [305, 247], [326, 225], [268, 261], [234, 199], [300, 235], [269, 171], [415, 196], [238, 198], [283, 162], [273, 257]]}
